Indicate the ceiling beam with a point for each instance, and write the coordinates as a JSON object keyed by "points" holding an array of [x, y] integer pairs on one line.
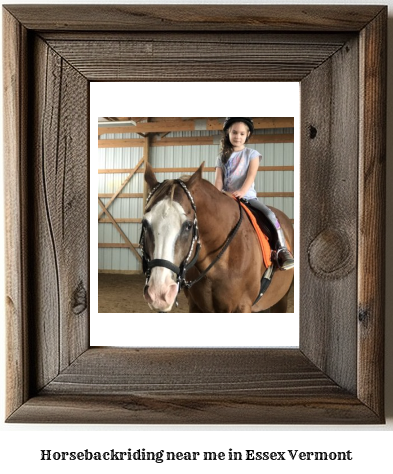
{"points": [[187, 141], [179, 125]]}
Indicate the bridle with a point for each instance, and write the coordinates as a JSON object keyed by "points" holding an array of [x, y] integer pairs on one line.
{"points": [[181, 270]]}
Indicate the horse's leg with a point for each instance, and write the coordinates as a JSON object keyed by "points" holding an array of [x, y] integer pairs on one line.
{"points": [[192, 306], [280, 306], [243, 308]]}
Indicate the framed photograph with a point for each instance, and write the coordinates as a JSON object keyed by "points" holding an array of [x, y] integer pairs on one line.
{"points": [[177, 147], [51, 56]]}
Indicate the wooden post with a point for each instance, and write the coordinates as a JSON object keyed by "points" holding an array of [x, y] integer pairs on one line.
{"points": [[146, 147]]}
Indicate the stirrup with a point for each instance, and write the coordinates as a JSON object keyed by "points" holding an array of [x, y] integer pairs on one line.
{"points": [[285, 259]]}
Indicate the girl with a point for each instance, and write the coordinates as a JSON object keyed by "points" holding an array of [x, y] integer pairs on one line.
{"points": [[236, 169]]}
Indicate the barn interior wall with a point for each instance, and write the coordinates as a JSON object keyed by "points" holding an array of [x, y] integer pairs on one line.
{"points": [[121, 259]]}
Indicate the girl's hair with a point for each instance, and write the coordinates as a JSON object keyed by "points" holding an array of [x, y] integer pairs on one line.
{"points": [[226, 148]]}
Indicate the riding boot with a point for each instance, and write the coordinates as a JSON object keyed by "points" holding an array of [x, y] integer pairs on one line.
{"points": [[284, 257]]}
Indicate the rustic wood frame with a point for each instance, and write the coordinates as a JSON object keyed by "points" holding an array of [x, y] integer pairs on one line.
{"points": [[338, 53]]}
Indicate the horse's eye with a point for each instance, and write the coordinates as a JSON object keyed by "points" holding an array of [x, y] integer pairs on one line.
{"points": [[187, 226]]}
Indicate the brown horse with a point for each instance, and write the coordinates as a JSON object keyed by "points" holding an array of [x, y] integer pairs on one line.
{"points": [[197, 238]]}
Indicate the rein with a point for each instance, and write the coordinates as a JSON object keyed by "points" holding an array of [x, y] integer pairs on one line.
{"points": [[220, 254], [181, 271]]}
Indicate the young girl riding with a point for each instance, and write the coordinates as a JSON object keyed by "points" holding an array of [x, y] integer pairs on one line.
{"points": [[236, 169]]}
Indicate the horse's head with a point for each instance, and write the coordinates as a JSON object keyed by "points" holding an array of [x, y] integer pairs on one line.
{"points": [[168, 237]]}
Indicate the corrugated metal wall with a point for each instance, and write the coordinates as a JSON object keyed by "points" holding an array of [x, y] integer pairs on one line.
{"points": [[122, 259]]}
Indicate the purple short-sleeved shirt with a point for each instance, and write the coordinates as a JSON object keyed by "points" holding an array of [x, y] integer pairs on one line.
{"points": [[235, 171]]}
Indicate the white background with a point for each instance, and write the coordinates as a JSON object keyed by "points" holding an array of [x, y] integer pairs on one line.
{"points": [[371, 445], [173, 329]]}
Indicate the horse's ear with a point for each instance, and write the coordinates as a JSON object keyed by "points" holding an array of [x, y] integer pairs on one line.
{"points": [[150, 177], [196, 177]]}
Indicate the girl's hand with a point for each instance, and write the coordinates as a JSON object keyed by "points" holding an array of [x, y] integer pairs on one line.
{"points": [[239, 193]]}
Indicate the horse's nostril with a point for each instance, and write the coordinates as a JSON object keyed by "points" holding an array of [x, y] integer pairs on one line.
{"points": [[146, 294], [170, 295]]}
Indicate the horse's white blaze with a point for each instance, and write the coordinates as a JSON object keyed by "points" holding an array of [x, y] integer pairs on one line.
{"points": [[166, 219]]}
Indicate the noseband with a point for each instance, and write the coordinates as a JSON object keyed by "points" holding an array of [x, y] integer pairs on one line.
{"points": [[180, 271]]}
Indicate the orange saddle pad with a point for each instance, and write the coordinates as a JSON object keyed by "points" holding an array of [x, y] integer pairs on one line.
{"points": [[263, 240]]}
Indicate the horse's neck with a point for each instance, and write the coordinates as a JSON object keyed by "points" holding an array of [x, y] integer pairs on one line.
{"points": [[217, 213]]}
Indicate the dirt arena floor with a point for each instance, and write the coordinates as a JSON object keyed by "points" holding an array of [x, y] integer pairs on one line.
{"points": [[119, 293]]}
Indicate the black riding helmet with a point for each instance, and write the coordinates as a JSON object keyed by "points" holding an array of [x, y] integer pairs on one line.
{"points": [[247, 120]]}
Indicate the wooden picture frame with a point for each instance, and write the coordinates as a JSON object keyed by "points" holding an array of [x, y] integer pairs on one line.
{"points": [[338, 54]]}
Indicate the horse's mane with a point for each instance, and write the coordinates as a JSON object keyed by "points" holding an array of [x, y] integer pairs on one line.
{"points": [[184, 178], [172, 193]]}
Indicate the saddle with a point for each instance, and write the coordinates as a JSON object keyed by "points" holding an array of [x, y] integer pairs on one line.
{"points": [[263, 223], [258, 221]]}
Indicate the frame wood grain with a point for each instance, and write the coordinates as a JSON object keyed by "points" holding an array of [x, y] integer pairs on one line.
{"points": [[338, 54]]}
